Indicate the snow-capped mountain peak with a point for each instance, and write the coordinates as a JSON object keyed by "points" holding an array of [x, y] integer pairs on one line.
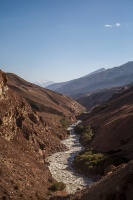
{"points": [[44, 83]]}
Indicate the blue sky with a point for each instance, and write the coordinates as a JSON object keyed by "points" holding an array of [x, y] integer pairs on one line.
{"points": [[62, 40]]}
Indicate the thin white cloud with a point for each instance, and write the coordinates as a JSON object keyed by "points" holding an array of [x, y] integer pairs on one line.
{"points": [[117, 24], [111, 26], [108, 26]]}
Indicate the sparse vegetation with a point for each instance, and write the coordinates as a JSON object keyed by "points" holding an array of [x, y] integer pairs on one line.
{"points": [[103, 107], [58, 186], [49, 192], [85, 132], [64, 122], [78, 129], [93, 162]]}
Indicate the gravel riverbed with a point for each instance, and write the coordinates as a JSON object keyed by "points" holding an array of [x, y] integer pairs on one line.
{"points": [[60, 164]]}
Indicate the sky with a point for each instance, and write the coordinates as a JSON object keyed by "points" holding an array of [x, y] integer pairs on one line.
{"points": [[61, 40]]}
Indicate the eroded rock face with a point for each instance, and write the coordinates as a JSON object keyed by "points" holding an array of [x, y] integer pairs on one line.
{"points": [[23, 146], [3, 85], [17, 117]]}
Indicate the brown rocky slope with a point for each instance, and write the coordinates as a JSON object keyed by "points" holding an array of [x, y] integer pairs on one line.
{"points": [[116, 185], [112, 126], [111, 143], [95, 98], [28, 134], [90, 100], [43, 99]]}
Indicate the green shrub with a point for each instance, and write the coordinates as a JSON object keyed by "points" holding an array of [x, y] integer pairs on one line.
{"points": [[64, 123], [92, 162], [85, 132], [86, 137], [59, 186], [78, 129]]}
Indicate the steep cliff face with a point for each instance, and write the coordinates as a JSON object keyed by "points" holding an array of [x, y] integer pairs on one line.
{"points": [[24, 142], [3, 84], [17, 117], [26, 138]]}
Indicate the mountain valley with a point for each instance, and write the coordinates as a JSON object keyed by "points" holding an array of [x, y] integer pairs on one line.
{"points": [[34, 120]]}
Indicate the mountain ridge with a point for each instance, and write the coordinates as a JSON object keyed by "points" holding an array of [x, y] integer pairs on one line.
{"points": [[84, 83], [58, 85]]}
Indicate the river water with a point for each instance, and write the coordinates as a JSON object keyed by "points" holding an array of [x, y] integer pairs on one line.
{"points": [[60, 164]]}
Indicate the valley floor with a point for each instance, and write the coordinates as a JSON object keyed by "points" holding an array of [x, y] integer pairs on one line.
{"points": [[60, 164]]}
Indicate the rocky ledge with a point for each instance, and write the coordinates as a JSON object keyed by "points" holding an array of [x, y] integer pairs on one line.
{"points": [[3, 85]]}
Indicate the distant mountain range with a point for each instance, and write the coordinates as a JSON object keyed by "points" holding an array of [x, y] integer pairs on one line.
{"points": [[44, 83], [98, 80], [56, 86]]}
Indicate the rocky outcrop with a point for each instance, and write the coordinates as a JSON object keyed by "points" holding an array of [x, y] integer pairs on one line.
{"points": [[3, 85], [109, 169]]}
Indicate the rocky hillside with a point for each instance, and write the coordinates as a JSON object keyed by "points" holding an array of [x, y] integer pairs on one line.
{"points": [[116, 185], [113, 77], [43, 99], [112, 124], [32, 122], [107, 136], [90, 100]]}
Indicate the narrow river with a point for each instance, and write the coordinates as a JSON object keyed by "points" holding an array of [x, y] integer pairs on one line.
{"points": [[60, 164]]}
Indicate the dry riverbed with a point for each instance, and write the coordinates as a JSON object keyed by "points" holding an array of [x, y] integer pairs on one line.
{"points": [[60, 164]]}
